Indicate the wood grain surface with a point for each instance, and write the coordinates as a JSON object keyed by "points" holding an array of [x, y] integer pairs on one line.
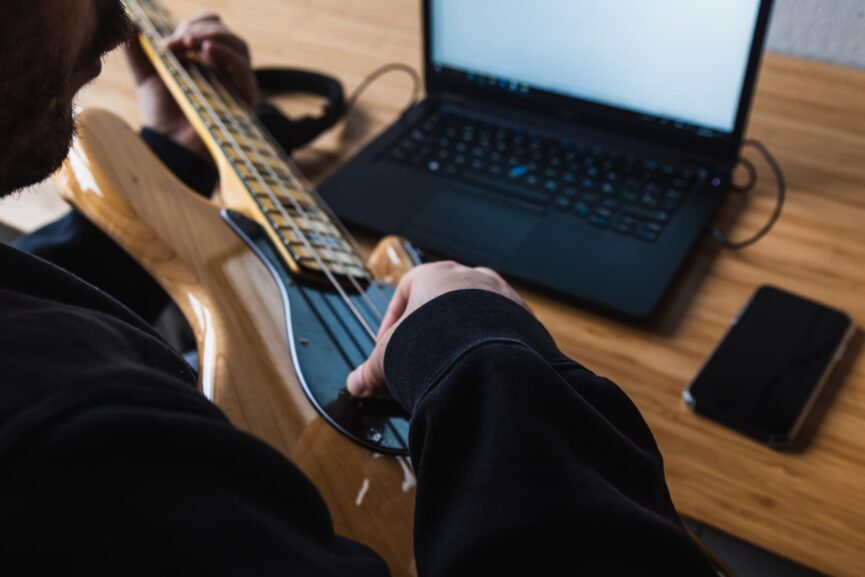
{"points": [[808, 505]]}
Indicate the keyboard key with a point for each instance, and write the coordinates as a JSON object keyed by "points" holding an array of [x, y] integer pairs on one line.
{"points": [[506, 188], [604, 212], [629, 195], [518, 171], [582, 209], [649, 201], [599, 221], [646, 214], [562, 202], [623, 229], [648, 234], [624, 225]]}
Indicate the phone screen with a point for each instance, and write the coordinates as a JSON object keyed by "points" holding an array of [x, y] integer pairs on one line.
{"points": [[763, 376]]}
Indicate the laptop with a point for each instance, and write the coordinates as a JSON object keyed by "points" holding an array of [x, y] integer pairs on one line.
{"points": [[578, 145]]}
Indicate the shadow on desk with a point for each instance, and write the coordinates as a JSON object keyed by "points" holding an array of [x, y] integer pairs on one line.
{"points": [[690, 279], [677, 302]]}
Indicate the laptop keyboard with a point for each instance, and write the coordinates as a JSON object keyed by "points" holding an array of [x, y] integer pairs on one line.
{"points": [[608, 189]]}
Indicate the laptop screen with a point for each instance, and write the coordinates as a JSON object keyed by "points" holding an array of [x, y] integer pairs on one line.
{"points": [[680, 61]]}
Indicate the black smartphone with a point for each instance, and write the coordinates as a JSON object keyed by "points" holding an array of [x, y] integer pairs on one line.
{"points": [[768, 370]]}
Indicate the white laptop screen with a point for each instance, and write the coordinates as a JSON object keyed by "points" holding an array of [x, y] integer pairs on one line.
{"points": [[680, 60]]}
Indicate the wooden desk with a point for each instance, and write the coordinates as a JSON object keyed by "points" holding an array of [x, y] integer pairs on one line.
{"points": [[808, 506]]}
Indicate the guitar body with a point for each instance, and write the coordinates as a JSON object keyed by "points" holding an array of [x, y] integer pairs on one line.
{"points": [[260, 349]]}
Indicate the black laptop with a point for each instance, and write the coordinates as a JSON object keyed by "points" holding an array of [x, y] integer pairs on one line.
{"points": [[578, 145]]}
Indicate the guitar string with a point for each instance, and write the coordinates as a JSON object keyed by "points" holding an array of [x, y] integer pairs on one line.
{"points": [[156, 37], [301, 182], [297, 174], [304, 184], [145, 19], [307, 187], [217, 84]]}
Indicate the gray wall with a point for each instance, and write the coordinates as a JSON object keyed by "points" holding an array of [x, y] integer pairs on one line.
{"points": [[829, 30]]}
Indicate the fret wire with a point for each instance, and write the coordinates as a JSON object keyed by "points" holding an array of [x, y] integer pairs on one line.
{"points": [[168, 56], [316, 257], [212, 87], [304, 185], [272, 152], [307, 187], [217, 86]]}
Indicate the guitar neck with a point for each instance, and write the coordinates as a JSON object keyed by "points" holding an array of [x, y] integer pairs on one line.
{"points": [[303, 230]]}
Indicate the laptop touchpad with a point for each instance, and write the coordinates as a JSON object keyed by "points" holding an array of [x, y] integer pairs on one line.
{"points": [[468, 228]]}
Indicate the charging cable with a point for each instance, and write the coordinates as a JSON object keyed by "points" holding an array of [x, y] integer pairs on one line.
{"points": [[378, 73], [749, 186]]}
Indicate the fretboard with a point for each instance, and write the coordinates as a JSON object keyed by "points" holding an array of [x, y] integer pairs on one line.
{"points": [[298, 222]]}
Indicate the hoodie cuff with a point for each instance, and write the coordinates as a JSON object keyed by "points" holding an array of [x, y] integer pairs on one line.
{"points": [[442, 332]]}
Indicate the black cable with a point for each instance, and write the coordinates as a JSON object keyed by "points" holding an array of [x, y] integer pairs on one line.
{"points": [[748, 187], [351, 102], [752, 177]]}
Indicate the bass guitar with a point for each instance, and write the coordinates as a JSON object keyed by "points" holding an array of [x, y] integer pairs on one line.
{"points": [[282, 303]]}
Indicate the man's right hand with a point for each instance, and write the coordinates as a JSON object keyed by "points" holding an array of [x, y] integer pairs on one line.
{"points": [[418, 287]]}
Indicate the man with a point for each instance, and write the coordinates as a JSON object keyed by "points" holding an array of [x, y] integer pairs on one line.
{"points": [[110, 461]]}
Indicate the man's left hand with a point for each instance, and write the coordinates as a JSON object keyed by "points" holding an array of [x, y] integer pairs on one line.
{"points": [[210, 40]]}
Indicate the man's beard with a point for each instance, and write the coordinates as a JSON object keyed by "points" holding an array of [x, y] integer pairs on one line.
{"points": [[35, 143], [37, 126]]}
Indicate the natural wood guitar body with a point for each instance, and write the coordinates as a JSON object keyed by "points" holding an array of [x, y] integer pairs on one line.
{"points": [[236, 311]]}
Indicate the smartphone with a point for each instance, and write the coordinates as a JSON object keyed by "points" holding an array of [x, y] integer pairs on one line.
{"points": [[768, 370]]}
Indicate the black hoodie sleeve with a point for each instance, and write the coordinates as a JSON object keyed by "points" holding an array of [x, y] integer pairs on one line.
{"points": [[527, 463]]}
